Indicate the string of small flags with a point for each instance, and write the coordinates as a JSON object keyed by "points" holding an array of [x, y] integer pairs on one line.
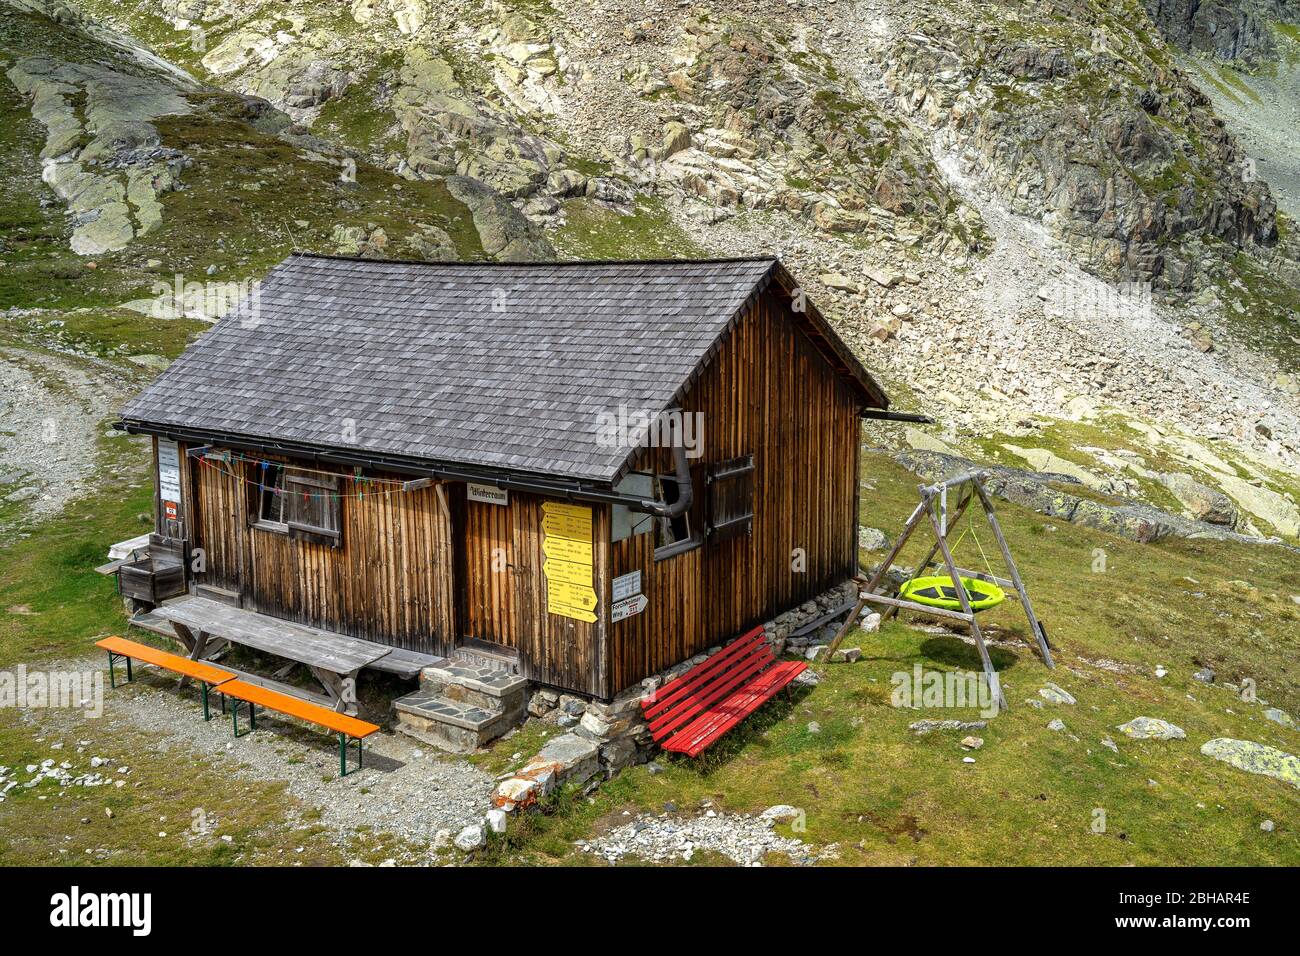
{"points": [[366, 486]]}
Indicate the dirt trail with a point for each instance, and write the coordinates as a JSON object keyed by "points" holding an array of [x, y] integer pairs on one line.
{"points": [[52, 411]]}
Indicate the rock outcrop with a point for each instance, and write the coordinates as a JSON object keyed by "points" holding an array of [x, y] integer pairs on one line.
{"points": [[1101, 137], [102, 154]]}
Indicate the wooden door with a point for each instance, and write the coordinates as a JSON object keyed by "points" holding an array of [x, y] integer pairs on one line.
{"points": [[491, 574]]}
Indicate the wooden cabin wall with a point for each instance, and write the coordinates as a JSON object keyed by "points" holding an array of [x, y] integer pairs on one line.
{"points": [[508, 605], [770, 393], [390, 580]]}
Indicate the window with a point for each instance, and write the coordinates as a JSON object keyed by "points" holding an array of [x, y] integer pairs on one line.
{"points": [[731, 499], [303, 505], [672, 535], [270, 508], [311, 507]]}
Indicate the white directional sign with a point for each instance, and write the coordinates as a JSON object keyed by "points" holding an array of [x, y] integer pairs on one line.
{"points": [[622, 610]]}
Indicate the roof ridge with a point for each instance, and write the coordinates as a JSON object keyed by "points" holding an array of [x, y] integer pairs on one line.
{"points": [[307, 254]]}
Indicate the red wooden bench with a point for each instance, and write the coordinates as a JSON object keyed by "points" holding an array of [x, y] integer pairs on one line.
{"points": [[690, 712]]}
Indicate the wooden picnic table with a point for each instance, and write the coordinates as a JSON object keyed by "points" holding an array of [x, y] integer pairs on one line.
{"points": [[205, 626]]}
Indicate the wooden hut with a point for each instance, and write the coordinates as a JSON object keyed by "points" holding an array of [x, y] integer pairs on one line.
{"points": [[434, 456]]}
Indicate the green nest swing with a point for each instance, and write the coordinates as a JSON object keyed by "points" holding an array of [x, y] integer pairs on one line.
{"points": [[938, 591]]}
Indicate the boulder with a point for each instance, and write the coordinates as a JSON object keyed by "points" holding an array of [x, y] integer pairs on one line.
{"points": [[409, 15], [836, 280], [1056, 695], [1202, 502], [1040, 459], [505, 233], [873, 539], [471, 838], [883, 277], [516, 792], [1255, 758], [676, 138], [617, 754], [1151, 728], [923, 442], [572, 759], [542, 702], [1279, 716], [1264, 503]]}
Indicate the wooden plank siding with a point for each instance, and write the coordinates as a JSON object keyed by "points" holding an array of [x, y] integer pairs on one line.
{"points": [[390, 580], [770, 393], [407, 576], [507, 605]]}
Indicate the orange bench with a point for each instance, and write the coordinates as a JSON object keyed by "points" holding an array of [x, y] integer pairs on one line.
{"points": [[119, 648], [254, 696]]}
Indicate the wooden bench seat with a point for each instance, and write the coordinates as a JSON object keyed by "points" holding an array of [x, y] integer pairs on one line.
{"points": [[693, 711], [120, 648], [254, 696]]}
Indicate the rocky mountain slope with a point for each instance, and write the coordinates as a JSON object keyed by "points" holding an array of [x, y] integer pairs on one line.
{"points": [[1032, 219]]}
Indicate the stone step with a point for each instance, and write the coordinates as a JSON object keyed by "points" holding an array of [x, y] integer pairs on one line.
{"points": [[484, 687], [481, 655], [453, 725]]}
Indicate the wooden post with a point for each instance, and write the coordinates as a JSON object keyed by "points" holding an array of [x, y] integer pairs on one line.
{"points": [[925, 562], [1019, 585], [990, 675], [876, 578]]}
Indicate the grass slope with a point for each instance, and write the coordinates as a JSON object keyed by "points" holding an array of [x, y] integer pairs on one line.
{"points": [[867, 783], [887, 796]]}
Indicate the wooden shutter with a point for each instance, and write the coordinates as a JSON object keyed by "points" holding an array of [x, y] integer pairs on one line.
{"points": [[312, 506], [731, 498]]}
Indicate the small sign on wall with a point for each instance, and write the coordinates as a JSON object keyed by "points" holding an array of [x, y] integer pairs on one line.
{"points": [[627, 597], [169, 478], [622, 610], [627, 585], [488, 494]]}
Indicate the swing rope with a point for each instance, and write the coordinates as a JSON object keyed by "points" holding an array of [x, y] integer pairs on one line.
{"points": [[980, 594]]}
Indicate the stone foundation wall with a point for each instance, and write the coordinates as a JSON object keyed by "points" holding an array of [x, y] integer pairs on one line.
{"points": [[603, 738]]}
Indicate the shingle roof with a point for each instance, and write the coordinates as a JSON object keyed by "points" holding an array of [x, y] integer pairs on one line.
{"points": [[498, 366]]}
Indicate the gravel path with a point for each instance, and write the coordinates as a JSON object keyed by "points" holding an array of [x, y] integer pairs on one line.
{"points": [[405, 789], [744, 839], [52, 408]]}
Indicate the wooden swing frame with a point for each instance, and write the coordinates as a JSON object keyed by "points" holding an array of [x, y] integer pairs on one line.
{"points": [[971, 485]]}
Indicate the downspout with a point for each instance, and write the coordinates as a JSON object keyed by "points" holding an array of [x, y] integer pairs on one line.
{"points": [[685, 491], [681, 469]]}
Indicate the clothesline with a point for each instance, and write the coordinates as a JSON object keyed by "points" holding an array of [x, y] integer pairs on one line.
{"points": [[264, 465]]}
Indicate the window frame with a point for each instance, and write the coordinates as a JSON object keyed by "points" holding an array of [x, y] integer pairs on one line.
{"points": [[276, 491], [329, 532], [290, 522], [679, 545]]}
